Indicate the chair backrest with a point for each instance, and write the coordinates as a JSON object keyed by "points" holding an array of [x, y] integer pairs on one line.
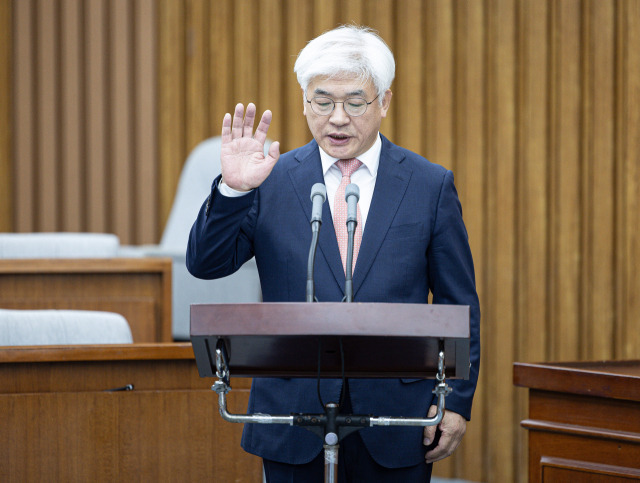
{"points": [[58, 245], [200, 169], [61, 327]]}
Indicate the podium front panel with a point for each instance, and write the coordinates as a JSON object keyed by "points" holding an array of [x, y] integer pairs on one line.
{"points": [[295, 339]]}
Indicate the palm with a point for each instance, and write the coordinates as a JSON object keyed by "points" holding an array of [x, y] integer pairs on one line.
{"points": [[244, 165]]}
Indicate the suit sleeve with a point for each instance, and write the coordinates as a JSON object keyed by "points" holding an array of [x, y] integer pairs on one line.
{"points": [[220, 240], [452, 281]]}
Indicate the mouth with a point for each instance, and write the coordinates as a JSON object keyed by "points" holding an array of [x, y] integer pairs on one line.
{"points": [[339, 138]]}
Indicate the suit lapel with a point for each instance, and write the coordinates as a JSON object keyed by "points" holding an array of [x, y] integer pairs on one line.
{"points": [[303, 177], [391, 185]]}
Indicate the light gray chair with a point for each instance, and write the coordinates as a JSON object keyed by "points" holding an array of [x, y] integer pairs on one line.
{"points": [[58, 245], [62, 327], [59, 327], [200, 169]]}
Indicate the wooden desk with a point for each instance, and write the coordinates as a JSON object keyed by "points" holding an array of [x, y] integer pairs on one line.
{"points": [[62, 417], [137, 288], [584, 420]]}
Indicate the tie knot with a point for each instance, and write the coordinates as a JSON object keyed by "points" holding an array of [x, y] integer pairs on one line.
{"points": [[348, 166]]}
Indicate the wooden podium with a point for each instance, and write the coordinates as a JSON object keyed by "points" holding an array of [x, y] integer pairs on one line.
{"points": [[331, 340], [378, 340], [584, 420]]}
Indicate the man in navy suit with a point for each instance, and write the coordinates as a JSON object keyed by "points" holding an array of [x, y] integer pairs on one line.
{"points": [[413, 242]]}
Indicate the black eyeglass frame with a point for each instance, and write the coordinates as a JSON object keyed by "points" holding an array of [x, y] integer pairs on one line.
{"points": [[340, 102]]}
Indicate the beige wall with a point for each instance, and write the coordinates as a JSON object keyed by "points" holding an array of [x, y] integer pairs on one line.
{"points": [[534, 105]]}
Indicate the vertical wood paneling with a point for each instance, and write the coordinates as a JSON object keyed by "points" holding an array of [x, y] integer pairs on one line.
{"points": [[532, 104], [97, 116], [85, 96], [470, 177], [271, 65], [409, 86], [245, 55], [325, 15], [6, 94], [439, 85], [532, 191], [196, 70], [381, 17], [565, 283], [628, 179], [220, 73], [145, 155], [122, 109], [532, 178], [298, 32], [72, 151], [500, 276], [23, 115], [599, 194], [48, 116], [353, 12], [172, 105]]}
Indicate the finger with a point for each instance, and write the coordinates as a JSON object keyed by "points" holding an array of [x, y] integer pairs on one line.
{"points": [[236, 128], [263, 127], [274, 151], [441, 451], [429, 434], [430, 431], [249, 119], [226, 128]]}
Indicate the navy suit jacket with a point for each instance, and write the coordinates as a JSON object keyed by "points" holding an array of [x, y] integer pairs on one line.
{"points": [[414, 242]]}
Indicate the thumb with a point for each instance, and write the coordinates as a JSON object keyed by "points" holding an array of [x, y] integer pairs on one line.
{"points": [[430, 431], [274, 151]]}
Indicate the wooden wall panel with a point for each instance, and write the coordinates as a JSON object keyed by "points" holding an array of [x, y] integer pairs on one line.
{"points": [[23, 115], [628, 182], [500, 273], [47, 108], [533, 104], [72, 120], [96, 197], [145, 146], [410, 93], [85, 137], [6, 94], [470, 171]]}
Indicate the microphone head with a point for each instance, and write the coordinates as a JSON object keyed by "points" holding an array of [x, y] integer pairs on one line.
{"points": [[351, 190], [319, 189]]}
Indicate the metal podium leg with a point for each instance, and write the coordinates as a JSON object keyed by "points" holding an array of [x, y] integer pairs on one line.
{"points": [[331, 463]]}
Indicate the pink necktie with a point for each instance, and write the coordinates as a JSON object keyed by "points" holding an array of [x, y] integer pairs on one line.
{"points": [[347, 167]]}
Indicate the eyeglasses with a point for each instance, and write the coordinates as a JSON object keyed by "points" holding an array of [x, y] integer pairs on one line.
{"points": [[354, 106]]}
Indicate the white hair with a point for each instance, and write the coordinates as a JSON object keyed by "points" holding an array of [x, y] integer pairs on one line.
{"points": [[347, 50]]}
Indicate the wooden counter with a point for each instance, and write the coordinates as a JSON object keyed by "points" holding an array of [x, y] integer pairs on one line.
{"points": [[137, 288], [584, 420], [65, 416]]}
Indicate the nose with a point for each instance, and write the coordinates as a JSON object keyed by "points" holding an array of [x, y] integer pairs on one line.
{"points": [[339, 116]]}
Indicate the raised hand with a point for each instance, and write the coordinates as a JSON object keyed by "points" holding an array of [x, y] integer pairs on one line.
{"points": [[244, 165]]}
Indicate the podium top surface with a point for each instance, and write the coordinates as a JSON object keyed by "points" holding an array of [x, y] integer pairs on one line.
{"points": [[608, 379], [357, 319]]}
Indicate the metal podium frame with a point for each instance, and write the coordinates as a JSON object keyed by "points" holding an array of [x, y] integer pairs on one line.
{"points": [[375, 340]]}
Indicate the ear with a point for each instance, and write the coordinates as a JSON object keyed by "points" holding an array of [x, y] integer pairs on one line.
{"points": [[386, 102], [304, 102]]}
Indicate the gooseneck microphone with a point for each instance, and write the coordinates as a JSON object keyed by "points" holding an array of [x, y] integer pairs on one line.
{"points": [[351, 195], [318, 197]]}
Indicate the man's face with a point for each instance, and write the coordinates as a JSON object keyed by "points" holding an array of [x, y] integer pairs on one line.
{"points": [[339, 134]]}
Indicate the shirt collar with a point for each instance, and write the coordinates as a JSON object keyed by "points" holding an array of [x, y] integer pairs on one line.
{"points": [[370, 158]]}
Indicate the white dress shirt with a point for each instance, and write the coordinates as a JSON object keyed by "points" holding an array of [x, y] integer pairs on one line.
{"points": [[365, 177]]}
